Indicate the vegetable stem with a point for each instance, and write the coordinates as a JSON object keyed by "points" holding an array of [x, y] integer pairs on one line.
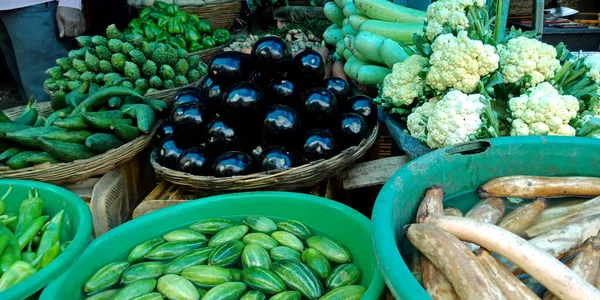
{"points": [[497, 27]]}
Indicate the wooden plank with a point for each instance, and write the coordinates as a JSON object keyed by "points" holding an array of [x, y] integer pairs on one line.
{"points": [[371, 173]]}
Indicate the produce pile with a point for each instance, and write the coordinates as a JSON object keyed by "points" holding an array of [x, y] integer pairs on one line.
{"points": [[166, 23], [29, 240], [223, 259], [463, 80], [366, 35], [536, 250], [263, 112], [90, 121], [123, 60], [296, 38]]}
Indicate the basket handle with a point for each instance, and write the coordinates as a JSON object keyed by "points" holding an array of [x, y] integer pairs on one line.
{"points": [[470, 148]]}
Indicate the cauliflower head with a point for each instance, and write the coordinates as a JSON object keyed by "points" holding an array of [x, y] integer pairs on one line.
{"points": [[455, 119], [459, 62], [416, 122], [524, 56], [592, 63], [449, 14], [543, 111], [403, 85]]}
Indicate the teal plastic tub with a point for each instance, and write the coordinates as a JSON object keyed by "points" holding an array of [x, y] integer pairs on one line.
{"points": [[77, 228], [460, 170], [334, 219]]}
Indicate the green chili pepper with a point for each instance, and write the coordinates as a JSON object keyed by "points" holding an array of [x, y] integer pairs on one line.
{"points": [[144, 13], [208, 42], [6, 219], [194, 47], [12, 225], [192, 35], [49, 255], [182, 16], [2, 205], [64, 246], [151, 31], [28, 256], [18, 272], [29, 210], [36, 240], [172, 9], [10, 255], [175, 27], [163, 36], [52, 233], [160, 5], [194, 19], [163, 22], [204, 26], [135, 23], [221, 36], [5, 237], [28, 234]]}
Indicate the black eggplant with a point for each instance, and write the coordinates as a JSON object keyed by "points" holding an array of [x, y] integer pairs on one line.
{"points": [[280, 123], [229, 67], [233, 163], [283, 92], [169, 152], [242, 102], [222, 137], [340, 89], [364, 106], [213, 97], [190, 122], [308, 68], [260, 78], [319, 108], [275, 158], [194, 161], [318, 144], [351, 130], [186, 95], [164, 131], [205, 84], [271, 54]]}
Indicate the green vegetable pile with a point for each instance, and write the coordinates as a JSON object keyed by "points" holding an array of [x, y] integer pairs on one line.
{"points": [[87, 121], [29, 240], [166, 23], [124, 60], [222, 259]]}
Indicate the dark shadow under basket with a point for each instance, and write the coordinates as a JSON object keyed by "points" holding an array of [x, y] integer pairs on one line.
{"points": [[291, 179], [221, 15]]}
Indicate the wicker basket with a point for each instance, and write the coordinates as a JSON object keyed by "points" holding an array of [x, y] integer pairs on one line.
{"points": [[206, 55], [221, 15], [291, 179], [63, 173], [167, 95]]}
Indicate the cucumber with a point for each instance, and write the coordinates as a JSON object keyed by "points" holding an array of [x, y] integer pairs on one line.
{"points": [[106, 277], [347, 54], [29, 137], [399, 32], [363, 59], [19, 161], [138, 253], [253, 295], [332, 250], [356, 20], [226, 291], [29, 114], [103, 123], [136, 289], [40, 122], [184, 235], [334, 13], [6, 128], [350, 10], [342, 3], [102, 142], [369, 45], [76, 136], [352, 66], [40, 158], [158, 106], [260, 239], [4, 118], [263, 280], [260, 224], [339, 48], [226, 254], [64, 151], [285, 253], [333, 34], [142, 270], [188, 259], [345, 22], [115, 102], [349, 42], [350, 292], [144, 116], [299, 277], [56, 115], [347, 30], [207, 276], [315, 261], [126, 132], [59, 101], [343, 275], [106, 295], [388, 11], [288, 295], [110, 114], [228, 234], [295, 227], [212, 226], [371, 75], [171, 250], [287, 239], [255, 256], [8, 153], [392, 53], [176, 287], [71, 123]]}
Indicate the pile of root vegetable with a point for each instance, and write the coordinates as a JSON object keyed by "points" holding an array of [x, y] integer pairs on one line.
{"points": [[536, 251]]}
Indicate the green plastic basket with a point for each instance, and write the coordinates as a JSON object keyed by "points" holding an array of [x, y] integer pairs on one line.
{"points": [[336, 220], [77, 227], [460, 170]]}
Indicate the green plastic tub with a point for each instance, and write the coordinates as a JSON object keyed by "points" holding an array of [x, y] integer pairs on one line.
{"points": [[77, 227], [460, 170], [336, 220]]}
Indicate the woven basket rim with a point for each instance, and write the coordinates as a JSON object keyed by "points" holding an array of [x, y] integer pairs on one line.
{"points": [[212, 4]]}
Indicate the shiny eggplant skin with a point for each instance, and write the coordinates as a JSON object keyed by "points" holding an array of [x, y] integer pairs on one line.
{"points": [[233, 163], [318, 144], [275, 158], [169, 151], [194, 161], [351, 130]]}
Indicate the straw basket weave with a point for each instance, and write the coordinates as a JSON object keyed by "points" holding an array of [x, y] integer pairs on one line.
{"points": [[206, 55], [63, 173], [221, 15], [167, 95], [291, 179]]}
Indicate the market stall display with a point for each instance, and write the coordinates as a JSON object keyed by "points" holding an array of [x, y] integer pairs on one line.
{"points": [[297, 39], [229, 209], [486, 166], [44, 228]]}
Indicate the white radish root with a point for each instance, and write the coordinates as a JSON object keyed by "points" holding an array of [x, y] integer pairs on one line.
{"points": [[489, 211], [540, 228], [431, 203], [454, 212], [549, 271], [560, 211], [521, 218], [415, 267], [512, 287], [458, 264], [539, 186]]}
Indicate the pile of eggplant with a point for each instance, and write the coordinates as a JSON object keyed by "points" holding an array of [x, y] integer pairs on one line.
{"points": [[260, 112]]}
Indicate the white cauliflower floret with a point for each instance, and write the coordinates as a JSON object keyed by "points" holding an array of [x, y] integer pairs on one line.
{"points": [[403, 85], [448, 13], [416, 122], [592, 62], [543, 111], [524, 56], [455, 119], [459, 62]]}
